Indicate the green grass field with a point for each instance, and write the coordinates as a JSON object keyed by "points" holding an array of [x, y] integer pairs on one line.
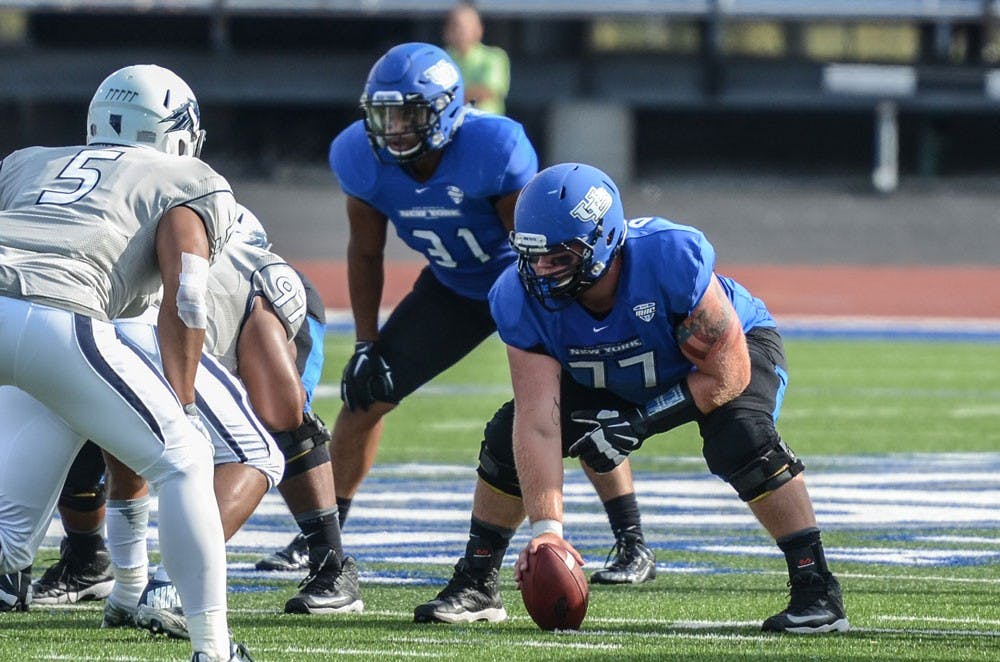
{"points": [[874, 402]]}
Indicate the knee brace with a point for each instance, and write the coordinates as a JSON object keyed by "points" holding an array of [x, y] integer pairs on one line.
{"points": [[84, 489], [496, 454], [744, 449], [766, 473], [305, 447]]}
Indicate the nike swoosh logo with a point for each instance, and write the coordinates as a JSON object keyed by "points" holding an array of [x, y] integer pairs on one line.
{"points": [[598, 329], [421, 189]]}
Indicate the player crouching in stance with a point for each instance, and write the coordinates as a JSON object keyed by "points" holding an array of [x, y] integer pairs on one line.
{"points": [[618, 330], [86, 233], [260, 310]]}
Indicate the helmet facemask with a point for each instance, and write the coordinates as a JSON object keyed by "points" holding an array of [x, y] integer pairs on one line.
{"points": [[569, 268], [407, 127], [412, 102]]}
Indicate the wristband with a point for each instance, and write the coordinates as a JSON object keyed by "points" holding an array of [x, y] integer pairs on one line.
{"points": [[669, 409], [546, 526]]}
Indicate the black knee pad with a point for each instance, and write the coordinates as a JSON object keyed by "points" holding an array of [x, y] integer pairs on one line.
{"points": [[305, 447], [84, 489], [496, 454], [745, 450]]}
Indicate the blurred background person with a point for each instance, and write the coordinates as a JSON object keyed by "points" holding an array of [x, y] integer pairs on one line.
{"points": [[486, 69]]}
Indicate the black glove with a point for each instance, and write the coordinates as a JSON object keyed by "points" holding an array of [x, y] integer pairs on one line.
{"points": [[367, 378], [614, 434]]}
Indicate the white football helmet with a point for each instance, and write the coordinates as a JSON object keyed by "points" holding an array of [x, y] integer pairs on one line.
{"points": [[146, 105], [249, 229]]}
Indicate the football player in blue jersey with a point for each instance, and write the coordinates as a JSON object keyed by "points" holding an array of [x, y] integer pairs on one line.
{"points": [[447, 177], [618, 330]]}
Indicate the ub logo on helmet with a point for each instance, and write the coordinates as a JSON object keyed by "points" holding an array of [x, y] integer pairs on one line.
{"points": [[594, 205], [442, 73]]}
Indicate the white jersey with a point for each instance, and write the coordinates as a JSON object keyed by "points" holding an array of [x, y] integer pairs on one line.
{"points": [[241, 274], [78, 224]]}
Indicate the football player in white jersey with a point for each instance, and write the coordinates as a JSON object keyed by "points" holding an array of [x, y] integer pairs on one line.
{"points": [[257, 304], [86, 233]]}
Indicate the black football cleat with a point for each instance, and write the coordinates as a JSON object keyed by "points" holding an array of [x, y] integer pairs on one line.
{"points": [[75, 579], [633, 563], [815, 607], [295, 556], [15, 590], [469, 596], [331, 588]]}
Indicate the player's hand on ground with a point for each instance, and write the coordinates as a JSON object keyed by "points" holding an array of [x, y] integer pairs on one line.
{"points": [[366, 378], [526, 555], [612, 436]]}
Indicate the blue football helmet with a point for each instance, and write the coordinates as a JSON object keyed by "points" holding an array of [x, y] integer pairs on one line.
{"points": [[412, 101], [568, 208]]}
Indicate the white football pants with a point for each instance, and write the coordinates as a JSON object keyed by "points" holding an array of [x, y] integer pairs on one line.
{"points": [[79, 370]]}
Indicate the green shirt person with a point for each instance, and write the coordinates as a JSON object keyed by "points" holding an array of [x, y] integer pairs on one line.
{"points": [[485, 69]]}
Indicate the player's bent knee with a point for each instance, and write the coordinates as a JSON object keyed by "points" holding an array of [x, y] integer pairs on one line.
{"points": [[192, 455], [306, 447], [496, 454], [84, 489], [766, 473], [83, 499], [747, 452]]}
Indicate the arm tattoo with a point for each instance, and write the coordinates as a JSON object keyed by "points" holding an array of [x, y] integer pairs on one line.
{"points": [[703, 328], [556, 417]]}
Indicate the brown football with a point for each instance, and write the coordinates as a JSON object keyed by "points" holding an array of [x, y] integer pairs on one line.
{"points": [[554, 589]]}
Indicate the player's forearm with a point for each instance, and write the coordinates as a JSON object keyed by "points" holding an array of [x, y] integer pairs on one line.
{"points": [[541, 478], [540, 473], [180, 350], [182, 252], [365, 280]]}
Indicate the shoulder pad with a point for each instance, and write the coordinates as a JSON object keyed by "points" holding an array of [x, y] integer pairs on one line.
{"points": [[505, 158], [353, 161], [280, 285]]}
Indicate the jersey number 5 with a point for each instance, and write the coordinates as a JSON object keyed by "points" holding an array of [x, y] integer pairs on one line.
{"points": [[77, 174]]}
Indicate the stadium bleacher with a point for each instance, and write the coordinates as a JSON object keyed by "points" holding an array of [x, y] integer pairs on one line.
{"points": [[626, 68]]}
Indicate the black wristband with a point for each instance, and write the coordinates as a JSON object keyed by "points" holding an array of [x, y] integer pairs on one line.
{"points": [[670, 409]]}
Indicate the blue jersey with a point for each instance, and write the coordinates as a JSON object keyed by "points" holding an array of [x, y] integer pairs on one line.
{"points": [[450, 218], [632, 351]]}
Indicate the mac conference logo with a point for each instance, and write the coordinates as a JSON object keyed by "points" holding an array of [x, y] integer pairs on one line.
{"points": [[645, 311]]}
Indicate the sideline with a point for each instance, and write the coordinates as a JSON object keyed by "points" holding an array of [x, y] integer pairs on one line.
{"points": [[833, 327]]}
